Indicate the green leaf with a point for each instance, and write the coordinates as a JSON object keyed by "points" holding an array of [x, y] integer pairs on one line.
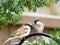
{"points": [[17, 6]]}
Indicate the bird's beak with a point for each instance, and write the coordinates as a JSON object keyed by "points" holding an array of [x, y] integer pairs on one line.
{"points": [[31, 26]]}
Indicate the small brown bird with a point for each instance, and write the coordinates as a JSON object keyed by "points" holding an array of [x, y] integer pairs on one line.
{"points": [[21, 32]]}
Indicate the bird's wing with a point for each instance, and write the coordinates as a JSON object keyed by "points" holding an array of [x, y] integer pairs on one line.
{"points": [[24, 31], [13, 33], [20, 33], [17, 31]]}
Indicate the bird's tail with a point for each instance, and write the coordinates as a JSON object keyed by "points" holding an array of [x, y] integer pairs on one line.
{"points": [[10, 39], [7, 40]]}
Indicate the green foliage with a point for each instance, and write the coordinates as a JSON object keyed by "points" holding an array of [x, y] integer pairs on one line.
{"points": [[56, 35], [42, 42], [55, 32], [11, 10], [55, 38]]}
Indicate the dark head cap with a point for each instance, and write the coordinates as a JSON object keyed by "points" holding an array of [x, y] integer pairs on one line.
{"points": [[35, 20]]}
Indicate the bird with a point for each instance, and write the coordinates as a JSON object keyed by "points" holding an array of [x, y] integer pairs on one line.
{"points": [[21, 32], [38, 25]]}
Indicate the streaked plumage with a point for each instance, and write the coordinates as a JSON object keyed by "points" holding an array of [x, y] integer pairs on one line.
{"points": [[21, 32]]}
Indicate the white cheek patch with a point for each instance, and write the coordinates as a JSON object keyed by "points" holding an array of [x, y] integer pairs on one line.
{"points": [[39, 22]]}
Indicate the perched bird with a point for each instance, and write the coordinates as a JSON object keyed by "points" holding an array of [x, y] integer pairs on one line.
{"points": [[21, 32], [38, 26]]}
